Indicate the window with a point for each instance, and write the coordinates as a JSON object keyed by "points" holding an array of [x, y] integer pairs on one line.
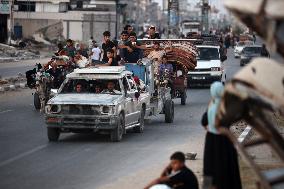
{"points": [[208, 54], [26, 6]]}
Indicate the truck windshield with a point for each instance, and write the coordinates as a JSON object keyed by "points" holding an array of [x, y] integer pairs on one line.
{"points": [[252, 50], [102, 86], [208, 53]]}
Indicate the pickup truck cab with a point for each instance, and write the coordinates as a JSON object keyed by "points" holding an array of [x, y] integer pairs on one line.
{"points": [[210, 66], [96, 100]]}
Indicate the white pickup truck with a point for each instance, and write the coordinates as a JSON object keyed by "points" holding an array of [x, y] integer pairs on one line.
{"points": [[97, 100], [210, 66]]}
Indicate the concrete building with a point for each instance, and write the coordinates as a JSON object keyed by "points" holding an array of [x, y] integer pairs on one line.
{"points": [[80, 19], [4, 20]]}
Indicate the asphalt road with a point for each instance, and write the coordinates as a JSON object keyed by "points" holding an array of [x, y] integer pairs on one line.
{"points": [[29, 161], [13, 68]]}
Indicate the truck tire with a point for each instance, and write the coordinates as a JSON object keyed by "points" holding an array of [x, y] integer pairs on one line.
{"points": [[53, 134], [37, 103], [169, 111], [140, 128], [117, 133], [183, 98]]}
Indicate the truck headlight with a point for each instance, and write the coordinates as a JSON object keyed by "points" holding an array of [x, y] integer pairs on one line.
{"points": [[105, 109], [215, 69], [53, 109]]}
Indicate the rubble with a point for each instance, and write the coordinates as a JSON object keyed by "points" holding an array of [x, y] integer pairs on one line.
{"points": [[11, 54], [13, 83]]}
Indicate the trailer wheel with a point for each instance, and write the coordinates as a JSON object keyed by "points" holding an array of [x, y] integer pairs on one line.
{"points": [[37, 103], [183, 98], [169, 111]]}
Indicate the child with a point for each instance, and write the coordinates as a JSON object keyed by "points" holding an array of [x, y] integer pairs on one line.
{"points": [[176, 175]]}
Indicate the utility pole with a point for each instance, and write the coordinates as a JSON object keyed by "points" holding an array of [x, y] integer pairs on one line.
{"points": [[205, 18], [11, 21]]}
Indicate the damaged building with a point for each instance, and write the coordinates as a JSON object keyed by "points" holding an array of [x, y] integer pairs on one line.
{"points": [[78, 20]]}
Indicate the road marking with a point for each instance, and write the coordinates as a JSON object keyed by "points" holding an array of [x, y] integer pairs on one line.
{"points": [[244, 134], [5, 111], [11, 160]]}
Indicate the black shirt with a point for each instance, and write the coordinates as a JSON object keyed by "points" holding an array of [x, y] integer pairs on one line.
{"points": [[155, 36], [183, 179], [105, 47], [114, 62], [135, 55]]}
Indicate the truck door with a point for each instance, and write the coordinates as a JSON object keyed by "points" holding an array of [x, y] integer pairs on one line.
{"points": [[130, 104]]}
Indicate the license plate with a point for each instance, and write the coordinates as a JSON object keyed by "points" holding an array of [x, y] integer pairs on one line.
{"points": [[198, 77]]}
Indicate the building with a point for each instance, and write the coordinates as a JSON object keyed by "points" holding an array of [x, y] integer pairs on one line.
{"points": [[80, 19], [5, 23]]}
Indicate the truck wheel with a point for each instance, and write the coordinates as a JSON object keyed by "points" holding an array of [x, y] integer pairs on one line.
{"points": [[140, 128], [183, 98], [53, 134], [169, 111], [37, 104], [116, 134]]}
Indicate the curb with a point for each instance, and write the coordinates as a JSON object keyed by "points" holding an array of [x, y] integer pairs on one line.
{"points": [[12, 87], [244, 134]]}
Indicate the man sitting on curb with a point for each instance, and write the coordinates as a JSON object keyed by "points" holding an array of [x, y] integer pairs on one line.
{"points": [[175, 176]]}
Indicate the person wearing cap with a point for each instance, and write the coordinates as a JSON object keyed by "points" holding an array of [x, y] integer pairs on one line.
{"points": [[107, 44], [153, 34], [133, 50]]}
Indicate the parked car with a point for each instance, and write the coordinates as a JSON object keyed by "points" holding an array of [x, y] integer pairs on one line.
{"points": [[106, 103], [248, 53], [210, 66], [240, 46]]}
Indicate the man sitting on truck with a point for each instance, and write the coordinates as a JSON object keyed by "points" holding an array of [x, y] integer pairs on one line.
{"points": [[132, 51]]}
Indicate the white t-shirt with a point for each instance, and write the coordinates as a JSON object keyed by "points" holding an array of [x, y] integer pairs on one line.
{"points": [[96, 53]]}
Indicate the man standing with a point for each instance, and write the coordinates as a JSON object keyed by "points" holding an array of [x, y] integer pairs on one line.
{"points": [[153, 34], [133, 50], [107, 44], [96, 53], [176, 175], [128, 28]]}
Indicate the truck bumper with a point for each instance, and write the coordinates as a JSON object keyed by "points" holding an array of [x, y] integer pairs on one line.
{"points": [[81, 122], [203, 79]]}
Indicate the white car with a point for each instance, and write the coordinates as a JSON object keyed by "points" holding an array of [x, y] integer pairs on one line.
{"points": [[240, 46], [209, 67]]}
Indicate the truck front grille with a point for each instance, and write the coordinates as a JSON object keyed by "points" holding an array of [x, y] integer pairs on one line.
{"points": [[80, 110]]}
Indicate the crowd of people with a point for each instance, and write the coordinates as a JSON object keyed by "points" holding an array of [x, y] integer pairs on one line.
{"points": [[111, 52]]}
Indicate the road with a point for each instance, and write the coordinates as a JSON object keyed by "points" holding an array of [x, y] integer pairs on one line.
{"points": [[90, 161], [13, 68]]}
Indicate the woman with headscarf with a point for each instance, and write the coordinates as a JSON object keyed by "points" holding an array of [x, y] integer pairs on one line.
{"points": [[220, 163]]}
